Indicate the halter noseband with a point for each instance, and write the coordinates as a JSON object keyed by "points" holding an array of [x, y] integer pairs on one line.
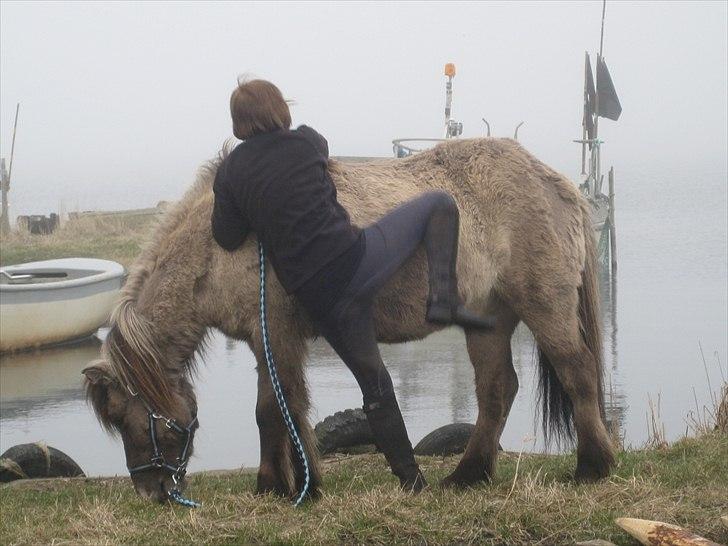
{"points": [[158, 461]]}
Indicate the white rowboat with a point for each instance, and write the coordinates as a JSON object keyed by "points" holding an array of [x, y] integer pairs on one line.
{"points": [[56, 301]]}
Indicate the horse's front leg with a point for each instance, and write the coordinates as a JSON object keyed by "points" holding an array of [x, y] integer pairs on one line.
{"points": [[281, 470], [274, 472], [496, 385]]}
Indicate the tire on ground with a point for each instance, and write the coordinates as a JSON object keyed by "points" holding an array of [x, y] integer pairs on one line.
{"points": [[344, 429], [36, 461], [446, 440]]}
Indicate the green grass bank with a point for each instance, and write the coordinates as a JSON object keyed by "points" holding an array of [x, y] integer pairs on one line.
{"points": [[532, 501], [113, 236]]}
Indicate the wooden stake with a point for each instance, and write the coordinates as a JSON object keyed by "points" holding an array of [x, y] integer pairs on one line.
{"points": [[656, 533]]}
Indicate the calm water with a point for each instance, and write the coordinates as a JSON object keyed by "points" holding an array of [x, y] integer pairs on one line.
{"points": [[670, 300]]}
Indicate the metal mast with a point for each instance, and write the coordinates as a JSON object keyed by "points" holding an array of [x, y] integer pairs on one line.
{"points": [[5, 180]]}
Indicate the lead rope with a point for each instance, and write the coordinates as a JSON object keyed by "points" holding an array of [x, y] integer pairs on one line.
{"points": [[177, 497], [175, 494], [292, 432]]}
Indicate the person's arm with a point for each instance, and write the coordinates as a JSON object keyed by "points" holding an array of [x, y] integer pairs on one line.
{"points": [[229, 228]]}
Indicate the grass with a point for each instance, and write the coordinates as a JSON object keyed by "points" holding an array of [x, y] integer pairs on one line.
{"points": [[531, 501], [116, 238]]}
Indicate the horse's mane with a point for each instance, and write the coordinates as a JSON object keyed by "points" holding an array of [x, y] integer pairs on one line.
{"points": [[132, 346]]}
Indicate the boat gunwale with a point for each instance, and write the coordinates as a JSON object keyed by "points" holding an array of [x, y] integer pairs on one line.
{"points": [[104, 270]]}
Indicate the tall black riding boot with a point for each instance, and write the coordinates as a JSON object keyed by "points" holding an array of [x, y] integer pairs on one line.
{"points": [[390, 434], [441, 242]]}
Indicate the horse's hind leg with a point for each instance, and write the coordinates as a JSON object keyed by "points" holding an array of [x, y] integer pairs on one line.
{"points": [[280, 469], [565, 351], [496, 385]]}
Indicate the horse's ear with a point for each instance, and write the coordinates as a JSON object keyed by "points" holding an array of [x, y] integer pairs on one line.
{"points": [[99, 373], [103, 391]]}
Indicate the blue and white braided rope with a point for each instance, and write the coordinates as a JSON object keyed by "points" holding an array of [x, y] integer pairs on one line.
{"points": [[177, 497], [293, 433]]}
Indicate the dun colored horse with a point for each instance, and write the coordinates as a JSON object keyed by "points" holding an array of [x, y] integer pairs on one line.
{"points": [[526, 254]]}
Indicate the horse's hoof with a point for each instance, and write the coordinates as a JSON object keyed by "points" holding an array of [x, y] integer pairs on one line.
{"points": [[589, 474], [458, 481], [415, 485], [276, 490], [312, 495]]}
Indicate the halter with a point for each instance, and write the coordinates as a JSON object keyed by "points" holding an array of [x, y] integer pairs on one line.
{"points": [[158, 461]]}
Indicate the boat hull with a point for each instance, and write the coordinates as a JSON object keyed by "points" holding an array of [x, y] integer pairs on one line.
{"points": [[46, 314]]}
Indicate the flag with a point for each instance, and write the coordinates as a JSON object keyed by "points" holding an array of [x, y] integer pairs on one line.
{"points": [[609, 106], [590, 96]]}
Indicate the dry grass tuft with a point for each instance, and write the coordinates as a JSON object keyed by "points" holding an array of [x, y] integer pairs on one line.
{"points": [[714, 415], [721, 414]]}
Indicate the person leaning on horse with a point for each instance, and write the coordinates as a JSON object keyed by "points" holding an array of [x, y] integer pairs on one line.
{"points": [[277, 184], [526, 254]]}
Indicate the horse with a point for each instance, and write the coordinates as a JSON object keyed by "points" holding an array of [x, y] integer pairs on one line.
{"points": [[526, 253]]}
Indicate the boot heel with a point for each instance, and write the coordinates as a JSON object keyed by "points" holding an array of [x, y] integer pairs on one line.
{"points": [[439, 314], [466, 319]]}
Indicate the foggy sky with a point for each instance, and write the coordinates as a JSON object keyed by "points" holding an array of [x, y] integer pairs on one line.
{"points": [[121, 102]]}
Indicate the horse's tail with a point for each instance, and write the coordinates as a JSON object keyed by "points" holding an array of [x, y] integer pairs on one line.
{"points": [[557, 409], [590, 322]]}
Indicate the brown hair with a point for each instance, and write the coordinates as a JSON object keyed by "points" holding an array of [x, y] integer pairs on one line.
{"points": [[257, 106]]}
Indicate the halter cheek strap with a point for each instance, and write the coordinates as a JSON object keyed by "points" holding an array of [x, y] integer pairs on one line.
{"points": [[158, 461]]}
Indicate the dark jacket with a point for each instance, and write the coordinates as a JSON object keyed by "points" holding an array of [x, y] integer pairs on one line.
{"points": [[278, 185]]}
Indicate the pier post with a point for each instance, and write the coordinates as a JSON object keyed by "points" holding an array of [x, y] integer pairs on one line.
{"points": [[612, 226], [4, 187]]}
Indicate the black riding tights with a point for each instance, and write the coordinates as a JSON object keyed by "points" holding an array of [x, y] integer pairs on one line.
{"points": [[349, 326], [432, 219]]}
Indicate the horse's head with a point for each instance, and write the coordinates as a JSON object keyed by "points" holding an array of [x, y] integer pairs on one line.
{"points": [[157, 444]]}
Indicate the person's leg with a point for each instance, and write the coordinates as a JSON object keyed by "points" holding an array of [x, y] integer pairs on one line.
{"points": [[431, 219], [350, 332]]}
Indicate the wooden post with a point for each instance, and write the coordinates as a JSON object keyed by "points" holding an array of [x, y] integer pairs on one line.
{"points": [[612, 226], [4, 182]]}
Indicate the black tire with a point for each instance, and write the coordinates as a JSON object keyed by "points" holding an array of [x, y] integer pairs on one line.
{"points": [[447, 440], [344, 429], [36, 461]]}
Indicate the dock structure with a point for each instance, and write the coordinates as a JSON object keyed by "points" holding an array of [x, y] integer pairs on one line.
{"points": [[600, 101]]}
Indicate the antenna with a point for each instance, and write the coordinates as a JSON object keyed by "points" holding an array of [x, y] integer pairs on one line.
{"points": [[601, 38], [452, 128], [5, 180], [12, 147], [598, 155]]}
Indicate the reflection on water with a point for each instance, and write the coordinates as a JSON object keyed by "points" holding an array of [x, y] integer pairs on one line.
{"points": [[672, 295], [615, 400], [36, 382]]}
